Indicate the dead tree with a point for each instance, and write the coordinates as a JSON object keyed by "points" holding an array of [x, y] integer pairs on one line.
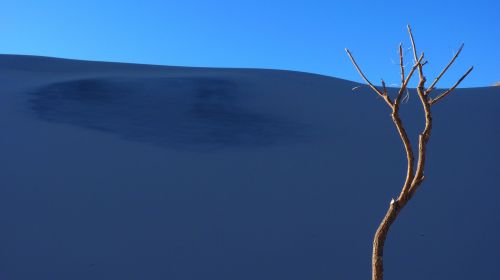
{"points": [[415, 171]]}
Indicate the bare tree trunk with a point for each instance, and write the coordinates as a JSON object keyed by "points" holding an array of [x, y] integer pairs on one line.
{"points": [[379, 241]]}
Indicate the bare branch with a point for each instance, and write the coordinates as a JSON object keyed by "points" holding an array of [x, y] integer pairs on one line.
{"points": [[401, 63], [412, 42], [423, 138], [362, 74], [405, 82], [384, 96], [444, 94], [431, 87], [409, 153], [384, 87], [420, 71]]}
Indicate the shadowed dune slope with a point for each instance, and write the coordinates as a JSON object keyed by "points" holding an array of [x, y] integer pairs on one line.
{"points": [[125, 171]]}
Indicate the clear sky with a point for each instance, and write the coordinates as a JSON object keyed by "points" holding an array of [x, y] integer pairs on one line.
{"points": [[304, 35]]}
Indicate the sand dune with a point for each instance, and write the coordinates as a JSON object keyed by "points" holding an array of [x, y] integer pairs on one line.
{"points": [[124, 171]]}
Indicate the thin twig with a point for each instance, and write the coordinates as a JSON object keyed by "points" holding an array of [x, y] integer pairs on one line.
{"points": [[444, 94], [384, 96], [384, 87], [401, 63], [420, 71], [431, 87], [407, 96]]}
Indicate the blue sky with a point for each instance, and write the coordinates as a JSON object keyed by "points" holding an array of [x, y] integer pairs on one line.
{"points": [[305, 36]]}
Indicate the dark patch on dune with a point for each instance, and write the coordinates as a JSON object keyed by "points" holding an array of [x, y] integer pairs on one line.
{"points": [[175, 112]]}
